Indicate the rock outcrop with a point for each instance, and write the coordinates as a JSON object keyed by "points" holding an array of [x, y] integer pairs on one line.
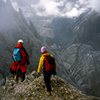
{"points": [[33, 88]]}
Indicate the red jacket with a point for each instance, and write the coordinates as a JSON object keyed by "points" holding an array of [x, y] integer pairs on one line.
{"points": [[23, 63], [23, 53]]}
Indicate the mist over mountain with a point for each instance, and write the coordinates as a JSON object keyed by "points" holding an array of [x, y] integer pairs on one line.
{"points": [[70, 29], [62, 8], [77, 49], [13, 26]]}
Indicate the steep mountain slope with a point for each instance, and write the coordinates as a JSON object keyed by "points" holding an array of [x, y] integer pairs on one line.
{"points": [[80, 61], [81, 66], [33, 88], [88, 29], [77, 63], [72, 62], [63, 32], [13, 26], [66, 31]]}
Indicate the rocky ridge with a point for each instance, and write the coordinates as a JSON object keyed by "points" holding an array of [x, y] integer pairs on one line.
{"points": [[33, 88]]}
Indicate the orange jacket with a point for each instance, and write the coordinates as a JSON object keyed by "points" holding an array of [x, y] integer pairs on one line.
{"points": [[41, 61]]}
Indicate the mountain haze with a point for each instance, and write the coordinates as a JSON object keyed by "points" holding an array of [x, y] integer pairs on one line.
{"points": [[74, 40], [13, 26]]}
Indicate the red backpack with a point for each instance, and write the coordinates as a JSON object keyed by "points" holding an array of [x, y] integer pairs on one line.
{"points": [[49, 63]]}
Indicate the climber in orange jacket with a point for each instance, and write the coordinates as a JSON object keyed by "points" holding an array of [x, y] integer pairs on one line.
{"points": [[44, 65]]}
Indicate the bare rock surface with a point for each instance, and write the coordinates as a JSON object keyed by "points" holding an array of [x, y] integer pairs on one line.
{"points": [[33, 88]]}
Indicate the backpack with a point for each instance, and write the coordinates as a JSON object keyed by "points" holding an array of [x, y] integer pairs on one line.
{"points": [[16, 54], [49, 63]]}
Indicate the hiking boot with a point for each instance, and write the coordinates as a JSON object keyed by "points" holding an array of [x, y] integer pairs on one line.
{"points": [[14, 77], [22, 80], [49, 93]]}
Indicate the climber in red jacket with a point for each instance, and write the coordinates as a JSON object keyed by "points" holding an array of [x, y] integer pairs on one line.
{"points": [[21, 60]]}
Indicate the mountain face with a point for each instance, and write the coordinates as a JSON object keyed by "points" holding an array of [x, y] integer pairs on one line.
{"points": [[42, 25], [81, 58], [76, 46], [88, 29], [62, 29], [73, 41], [81, 66]]}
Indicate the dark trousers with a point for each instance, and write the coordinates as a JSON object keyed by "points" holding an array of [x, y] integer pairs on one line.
{"points": [[47, 81], [20, 74], [13, 72]]}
